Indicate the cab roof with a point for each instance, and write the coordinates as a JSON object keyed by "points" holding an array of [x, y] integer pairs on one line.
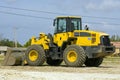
{"points": [[68, 17]]}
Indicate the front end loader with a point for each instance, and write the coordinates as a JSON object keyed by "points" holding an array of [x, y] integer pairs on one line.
{"points": [[69, 43]]}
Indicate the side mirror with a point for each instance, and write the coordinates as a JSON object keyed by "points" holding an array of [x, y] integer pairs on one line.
{"points": [[86, 27], [54, 22]]}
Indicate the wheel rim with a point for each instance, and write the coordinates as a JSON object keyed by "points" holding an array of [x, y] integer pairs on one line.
{"points": [[72, 56], [33, 55]]}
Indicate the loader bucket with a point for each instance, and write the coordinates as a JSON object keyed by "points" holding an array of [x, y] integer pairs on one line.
{"points": [[14, 57]]}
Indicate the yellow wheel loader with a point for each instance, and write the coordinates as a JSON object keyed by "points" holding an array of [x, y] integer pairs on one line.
{"points": [[69, 43]]}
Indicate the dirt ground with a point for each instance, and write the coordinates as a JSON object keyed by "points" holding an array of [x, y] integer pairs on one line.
{"points": [[109, 70]]}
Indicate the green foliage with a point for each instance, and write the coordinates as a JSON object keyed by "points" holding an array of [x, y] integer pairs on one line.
{"points": [[115, 38], [1, 36], [28, 43], [7, 42]]}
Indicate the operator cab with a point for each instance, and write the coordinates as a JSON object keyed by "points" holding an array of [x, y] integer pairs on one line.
{"points": [[67, 24]]}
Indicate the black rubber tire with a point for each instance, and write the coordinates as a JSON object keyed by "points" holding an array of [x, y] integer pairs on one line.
{"points": [[53, 62], [41, 55], [93, 62], [81, 56]]}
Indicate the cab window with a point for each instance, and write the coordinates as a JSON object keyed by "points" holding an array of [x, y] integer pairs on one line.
{"points": [[62, 25], [75, 24]]}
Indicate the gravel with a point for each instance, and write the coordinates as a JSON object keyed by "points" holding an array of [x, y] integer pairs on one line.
{"points": [[107, 71], [59, 73], [6, 74]]}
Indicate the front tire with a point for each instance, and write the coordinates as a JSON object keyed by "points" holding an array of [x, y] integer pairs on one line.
{"points": [[35, 55], [74, 56], [93, 62]]}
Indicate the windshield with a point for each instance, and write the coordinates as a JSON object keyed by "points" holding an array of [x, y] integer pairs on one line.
{"points": [[60, 25]]}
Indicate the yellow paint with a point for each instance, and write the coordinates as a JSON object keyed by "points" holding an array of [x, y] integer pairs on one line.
{"points": [[92, 40], [60, 38], [33, 55], [72, 56], [42, 40]]}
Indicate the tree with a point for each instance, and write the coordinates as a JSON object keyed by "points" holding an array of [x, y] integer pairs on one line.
{"points": [[28, 43], [1, 37], [115, 38], [7, 42], [112, 38]]}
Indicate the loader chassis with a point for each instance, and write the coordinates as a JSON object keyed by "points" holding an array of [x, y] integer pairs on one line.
{"points": [[71, 44]]}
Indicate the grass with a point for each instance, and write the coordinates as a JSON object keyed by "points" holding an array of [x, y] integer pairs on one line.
{"points": [[1, 58], [111, 60]]}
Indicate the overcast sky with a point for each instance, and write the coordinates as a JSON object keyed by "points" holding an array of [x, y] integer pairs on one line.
{"points": [[26, 27]]}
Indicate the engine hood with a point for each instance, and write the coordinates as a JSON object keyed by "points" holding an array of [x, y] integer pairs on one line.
{"points": [[93, 32]]}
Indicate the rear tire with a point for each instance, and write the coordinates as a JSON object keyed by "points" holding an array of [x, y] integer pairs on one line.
{"points": [[93, 62], [35, 55], [54, 62], [74, 56]]}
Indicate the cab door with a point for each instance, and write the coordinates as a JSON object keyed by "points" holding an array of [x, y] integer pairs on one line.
{"points": [[60, 34]]}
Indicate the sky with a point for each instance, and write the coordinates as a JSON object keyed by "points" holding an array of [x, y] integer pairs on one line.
{"points": [[26, 27]]}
